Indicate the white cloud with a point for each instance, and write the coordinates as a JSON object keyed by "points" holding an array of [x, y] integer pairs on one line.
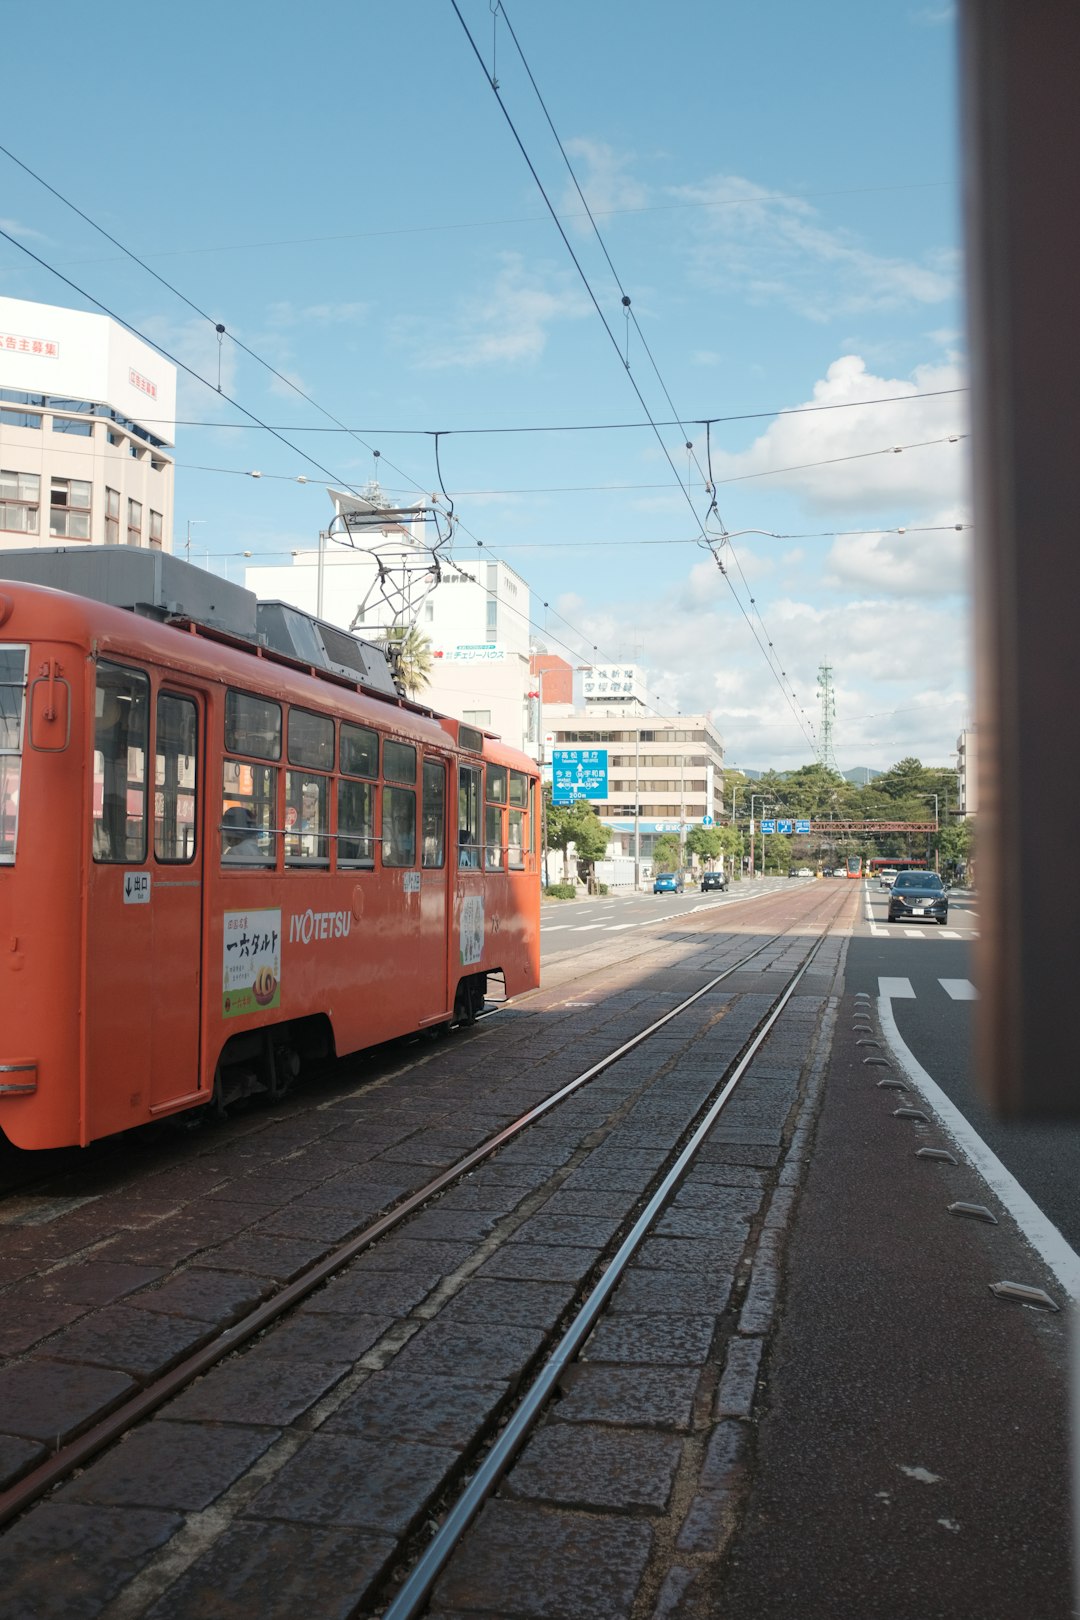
{"points": [[914, 564], [772, 249], [15, 227], [914, 481], [509, 325], [603, 177], [286, 314]]}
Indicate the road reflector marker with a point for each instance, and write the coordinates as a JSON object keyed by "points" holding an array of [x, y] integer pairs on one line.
{"points": [[911, 1113], [869, 1043], [891, 1085], [977, 1212], [1026, 1295], [936, 1153], [878, 1063]]}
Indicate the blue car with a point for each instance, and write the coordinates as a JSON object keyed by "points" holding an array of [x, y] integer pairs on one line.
{"points": [[666, 883]]}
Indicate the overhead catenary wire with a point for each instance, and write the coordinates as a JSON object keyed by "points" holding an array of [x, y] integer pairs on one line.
{"points": [[789, 698]]}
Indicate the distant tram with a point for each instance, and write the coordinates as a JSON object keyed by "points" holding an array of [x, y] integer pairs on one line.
{"points": [[853, 866], [219, 858]]}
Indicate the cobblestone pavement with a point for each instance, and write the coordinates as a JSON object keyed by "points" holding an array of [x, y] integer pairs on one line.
{"points": [[296, 1468]]}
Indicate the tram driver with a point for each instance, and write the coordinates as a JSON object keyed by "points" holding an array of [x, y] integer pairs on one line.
{"points": [[239, 839]]}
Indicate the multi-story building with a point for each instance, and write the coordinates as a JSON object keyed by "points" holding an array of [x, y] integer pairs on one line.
{"points": [[87, 416], [664, 775], [476, 618]]}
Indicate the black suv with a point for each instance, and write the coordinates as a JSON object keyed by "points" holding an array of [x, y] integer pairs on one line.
{"points": [[713, 880]]}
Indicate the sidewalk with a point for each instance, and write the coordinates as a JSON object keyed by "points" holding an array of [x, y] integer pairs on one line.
{"points": [[909, 1450]]}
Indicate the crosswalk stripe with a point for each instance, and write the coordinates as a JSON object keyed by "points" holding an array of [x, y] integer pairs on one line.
{"points": [[896, 989], [959, 989]]}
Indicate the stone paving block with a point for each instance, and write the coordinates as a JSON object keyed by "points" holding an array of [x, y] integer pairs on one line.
{"points": [[436, 1149], [489, 1350], [304, 1221], [24, 1322], [257, 1387], [748, 1153], [705, 1256], [729, 1217], [14, 1268], [644, 1397], [642, 1289], [738, 1385], [209, 1296], [373, 1293], [759, 1306], [468, 1195], [326, 1336], [661, 1341], [608, 1178], [281, 1259], [527, 1560], [17, 1457], [400, 1253], [47, 1400], [550, 1263], [586, 1231], [704, 1178], [394, 1406], [500, 1300], [585, 1466], [452, 1225], [586, 1201], [724, 1457], [139, 1342], [347, 1480], [537, 1148], [294, 1571], [67, 1562], [170, 1465], [98, 1282]]}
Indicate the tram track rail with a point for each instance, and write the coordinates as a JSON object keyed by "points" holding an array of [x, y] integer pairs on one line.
{"points": [[77, 1453]]}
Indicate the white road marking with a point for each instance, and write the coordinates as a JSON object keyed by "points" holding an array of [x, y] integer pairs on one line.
{"points": [[587, 928], [959, 989], [1040, 1232], [914, 933], [950, 933], [553, 928], [617, 928]]}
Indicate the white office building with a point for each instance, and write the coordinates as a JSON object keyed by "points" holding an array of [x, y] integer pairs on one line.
{"points": [[476, 618], [87, 419], [967, 772]]}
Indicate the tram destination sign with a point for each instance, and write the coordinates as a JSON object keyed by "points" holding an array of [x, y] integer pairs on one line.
{"points": [[578, 773]]}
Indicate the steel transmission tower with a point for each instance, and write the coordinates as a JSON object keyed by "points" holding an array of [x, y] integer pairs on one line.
{"points": [[826, 755]]}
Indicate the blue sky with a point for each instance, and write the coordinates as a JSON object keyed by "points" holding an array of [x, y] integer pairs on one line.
{"points": [[777, 188]]}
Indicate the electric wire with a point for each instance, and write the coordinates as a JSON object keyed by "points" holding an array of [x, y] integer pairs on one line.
{"points": [[805, 725]]}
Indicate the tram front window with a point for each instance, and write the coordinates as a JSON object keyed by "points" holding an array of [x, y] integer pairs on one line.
{"points": [[12, 689]]}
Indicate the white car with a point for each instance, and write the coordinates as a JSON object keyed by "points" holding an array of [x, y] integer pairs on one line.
{"points": [[887, 877], [804, 871]]}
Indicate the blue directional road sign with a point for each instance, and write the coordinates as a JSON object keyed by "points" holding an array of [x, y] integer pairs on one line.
{"points": [[578, 773], [803, 827], [768, 826], [784, 826], [706, 821]]}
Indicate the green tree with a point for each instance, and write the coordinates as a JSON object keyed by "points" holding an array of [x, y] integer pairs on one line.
{"points": [[705, 842], [732, 845], [409, 652], [667, 853], [579, 825], [776, 852]]}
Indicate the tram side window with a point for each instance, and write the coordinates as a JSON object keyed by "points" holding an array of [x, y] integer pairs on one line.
{"points": [[252, 725], [399, 761], [356, 824], [175, 778], [359, 756], [311, 740], [12, 699], [515, 838], [248, 813], [307, 799], [434, 846], [493, 821], [468, 816], [398, 826], [121, 723]]}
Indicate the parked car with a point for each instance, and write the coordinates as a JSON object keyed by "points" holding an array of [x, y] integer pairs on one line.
{"points": [[804, 871], [887, 877], [918, 894], [666, 883], [713, 880]]}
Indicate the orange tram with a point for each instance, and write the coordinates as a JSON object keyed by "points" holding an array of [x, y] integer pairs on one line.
{"points": [[226, 851]]}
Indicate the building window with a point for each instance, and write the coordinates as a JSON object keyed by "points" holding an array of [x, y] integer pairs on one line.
{"points": [[155, 528], [69, 509], [476, 717], [82, 430], [115, 438], [20, 496], [23, 419], [492, 620], [112, 517], [134, 523]]}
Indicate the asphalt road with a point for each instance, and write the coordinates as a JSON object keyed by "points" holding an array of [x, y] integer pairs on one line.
{"points": [[569, 925], [935, 1023]]}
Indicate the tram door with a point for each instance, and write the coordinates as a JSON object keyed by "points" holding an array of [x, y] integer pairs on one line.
{"points": [[144, 900]]}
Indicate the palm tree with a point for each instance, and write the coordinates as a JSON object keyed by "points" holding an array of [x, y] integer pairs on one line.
{"points": [[409, 652]]}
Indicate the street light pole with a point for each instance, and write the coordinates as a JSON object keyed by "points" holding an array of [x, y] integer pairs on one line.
{"points": [[187, 542]]}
